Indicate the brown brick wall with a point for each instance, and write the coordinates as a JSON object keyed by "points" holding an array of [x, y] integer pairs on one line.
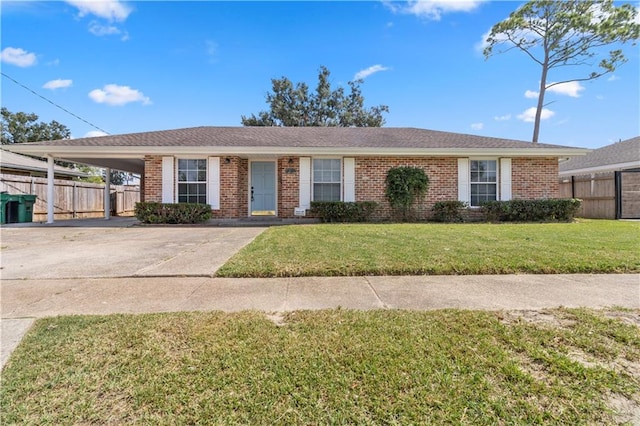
{"points": [[534, 178], [288, 185], [233, 188], [152, 191], [371, 173]]}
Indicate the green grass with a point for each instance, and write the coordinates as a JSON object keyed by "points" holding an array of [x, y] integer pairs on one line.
{"points": [[327, 367], [585, 246]]}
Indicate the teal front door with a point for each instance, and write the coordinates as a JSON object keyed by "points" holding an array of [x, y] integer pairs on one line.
{"points": [[263, 188]]}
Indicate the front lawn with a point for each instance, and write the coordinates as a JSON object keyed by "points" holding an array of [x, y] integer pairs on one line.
{"points": [[328, 367], [584, 246]]}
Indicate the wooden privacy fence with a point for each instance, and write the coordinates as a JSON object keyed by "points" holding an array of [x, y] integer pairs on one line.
{"points": [[72, 199], [613, 195]]}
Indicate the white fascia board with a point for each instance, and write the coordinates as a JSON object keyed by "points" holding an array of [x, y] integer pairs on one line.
{"points": [[601, 169], [141, 151]]}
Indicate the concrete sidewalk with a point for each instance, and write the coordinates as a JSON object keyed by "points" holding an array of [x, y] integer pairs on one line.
{"points": [[23, 300]]}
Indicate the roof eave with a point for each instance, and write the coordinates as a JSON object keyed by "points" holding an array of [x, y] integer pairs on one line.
{"points": [[141, 151]]}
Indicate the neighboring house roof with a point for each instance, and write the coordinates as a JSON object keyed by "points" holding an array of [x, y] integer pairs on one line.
{"points": [[618, 156], [130, 149], [11, 161]]}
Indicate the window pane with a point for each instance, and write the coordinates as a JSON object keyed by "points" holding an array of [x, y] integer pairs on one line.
{"points": [[326, 192]]}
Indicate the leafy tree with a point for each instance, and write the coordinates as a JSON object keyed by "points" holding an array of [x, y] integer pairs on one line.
{"points": [[22, 127], [560, 34], [293, 105]]}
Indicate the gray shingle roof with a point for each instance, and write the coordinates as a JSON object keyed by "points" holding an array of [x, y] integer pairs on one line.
{"points": [[611, 155], [300, 137]]}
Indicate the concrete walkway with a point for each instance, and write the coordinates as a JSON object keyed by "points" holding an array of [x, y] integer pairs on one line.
{"points": [[23, 300]]}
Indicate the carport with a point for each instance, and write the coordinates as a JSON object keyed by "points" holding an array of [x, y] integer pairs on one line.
{"points": [[93, 155]]}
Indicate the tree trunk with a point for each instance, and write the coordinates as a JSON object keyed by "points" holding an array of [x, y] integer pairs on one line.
{"points": [[543, 88]]}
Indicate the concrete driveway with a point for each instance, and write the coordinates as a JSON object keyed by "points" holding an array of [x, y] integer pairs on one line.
{"points": [[42, 252]]}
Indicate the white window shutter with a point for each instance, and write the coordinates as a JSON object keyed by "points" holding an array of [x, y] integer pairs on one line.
{"points": [[305, 183], [213, 184], [464, 189], [349, 165], [505, 179], [168, 180]]}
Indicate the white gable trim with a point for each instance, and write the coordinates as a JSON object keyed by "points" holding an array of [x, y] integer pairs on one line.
{"points": [[304, 198], [349, 165], [213, 182], [168, 179]]}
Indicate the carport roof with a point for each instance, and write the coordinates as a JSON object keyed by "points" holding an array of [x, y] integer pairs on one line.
{"points": [[128, 150]]}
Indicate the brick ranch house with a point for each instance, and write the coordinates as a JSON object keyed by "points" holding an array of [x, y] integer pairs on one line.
{"points": [[279, 171]]}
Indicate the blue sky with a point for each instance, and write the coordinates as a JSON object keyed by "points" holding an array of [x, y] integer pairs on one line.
{"points": [[141, 66]]}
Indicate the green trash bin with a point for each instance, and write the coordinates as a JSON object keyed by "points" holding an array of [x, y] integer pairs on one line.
{"points": [[9, 205], [16, 208], [25, 208]]}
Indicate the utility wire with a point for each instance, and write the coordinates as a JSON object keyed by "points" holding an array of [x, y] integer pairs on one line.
{"points": [[53, 103]]}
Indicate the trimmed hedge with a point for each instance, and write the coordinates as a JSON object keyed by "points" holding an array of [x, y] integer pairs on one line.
{"points": [[340, 211], [448, 211], [180, 213], [549, 210]]}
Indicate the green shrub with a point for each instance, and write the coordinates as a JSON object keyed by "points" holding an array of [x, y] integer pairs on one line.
{"points": [[405, 185], [172, 213], [448, 211], [547, 210], [340, 211]]}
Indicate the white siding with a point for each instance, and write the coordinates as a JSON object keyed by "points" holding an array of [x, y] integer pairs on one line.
{"points": [[168, 180], [213, 184], [464, 190], [349, 165], [505, 179], [305, 183]]}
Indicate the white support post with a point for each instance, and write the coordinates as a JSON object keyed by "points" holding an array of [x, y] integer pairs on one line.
{"points": [[50, 190], [107, 193]]}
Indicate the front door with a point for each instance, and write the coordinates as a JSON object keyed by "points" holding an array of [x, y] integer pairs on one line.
{"points": [[263, 188]]}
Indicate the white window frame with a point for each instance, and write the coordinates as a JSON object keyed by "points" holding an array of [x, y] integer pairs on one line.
{"points": [[340, 182], [178, 181], [496, 183]]}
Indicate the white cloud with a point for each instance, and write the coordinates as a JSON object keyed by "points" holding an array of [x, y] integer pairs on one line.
{"points": [[115, 95], [571, 88], [502, 117], [433, 9], [100, 30], [529, 115], [614, 77], [94, 133], [530, 94], [362, 74], [112, 10], [57, 84], [477, 126], [18, 56]]}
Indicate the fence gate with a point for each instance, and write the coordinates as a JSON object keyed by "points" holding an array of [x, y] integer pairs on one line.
{"points": [[628, 194]]}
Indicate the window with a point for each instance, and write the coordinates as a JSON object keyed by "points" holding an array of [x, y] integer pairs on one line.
{"points": [[327, 177], [484, 181], [192, 181]]}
